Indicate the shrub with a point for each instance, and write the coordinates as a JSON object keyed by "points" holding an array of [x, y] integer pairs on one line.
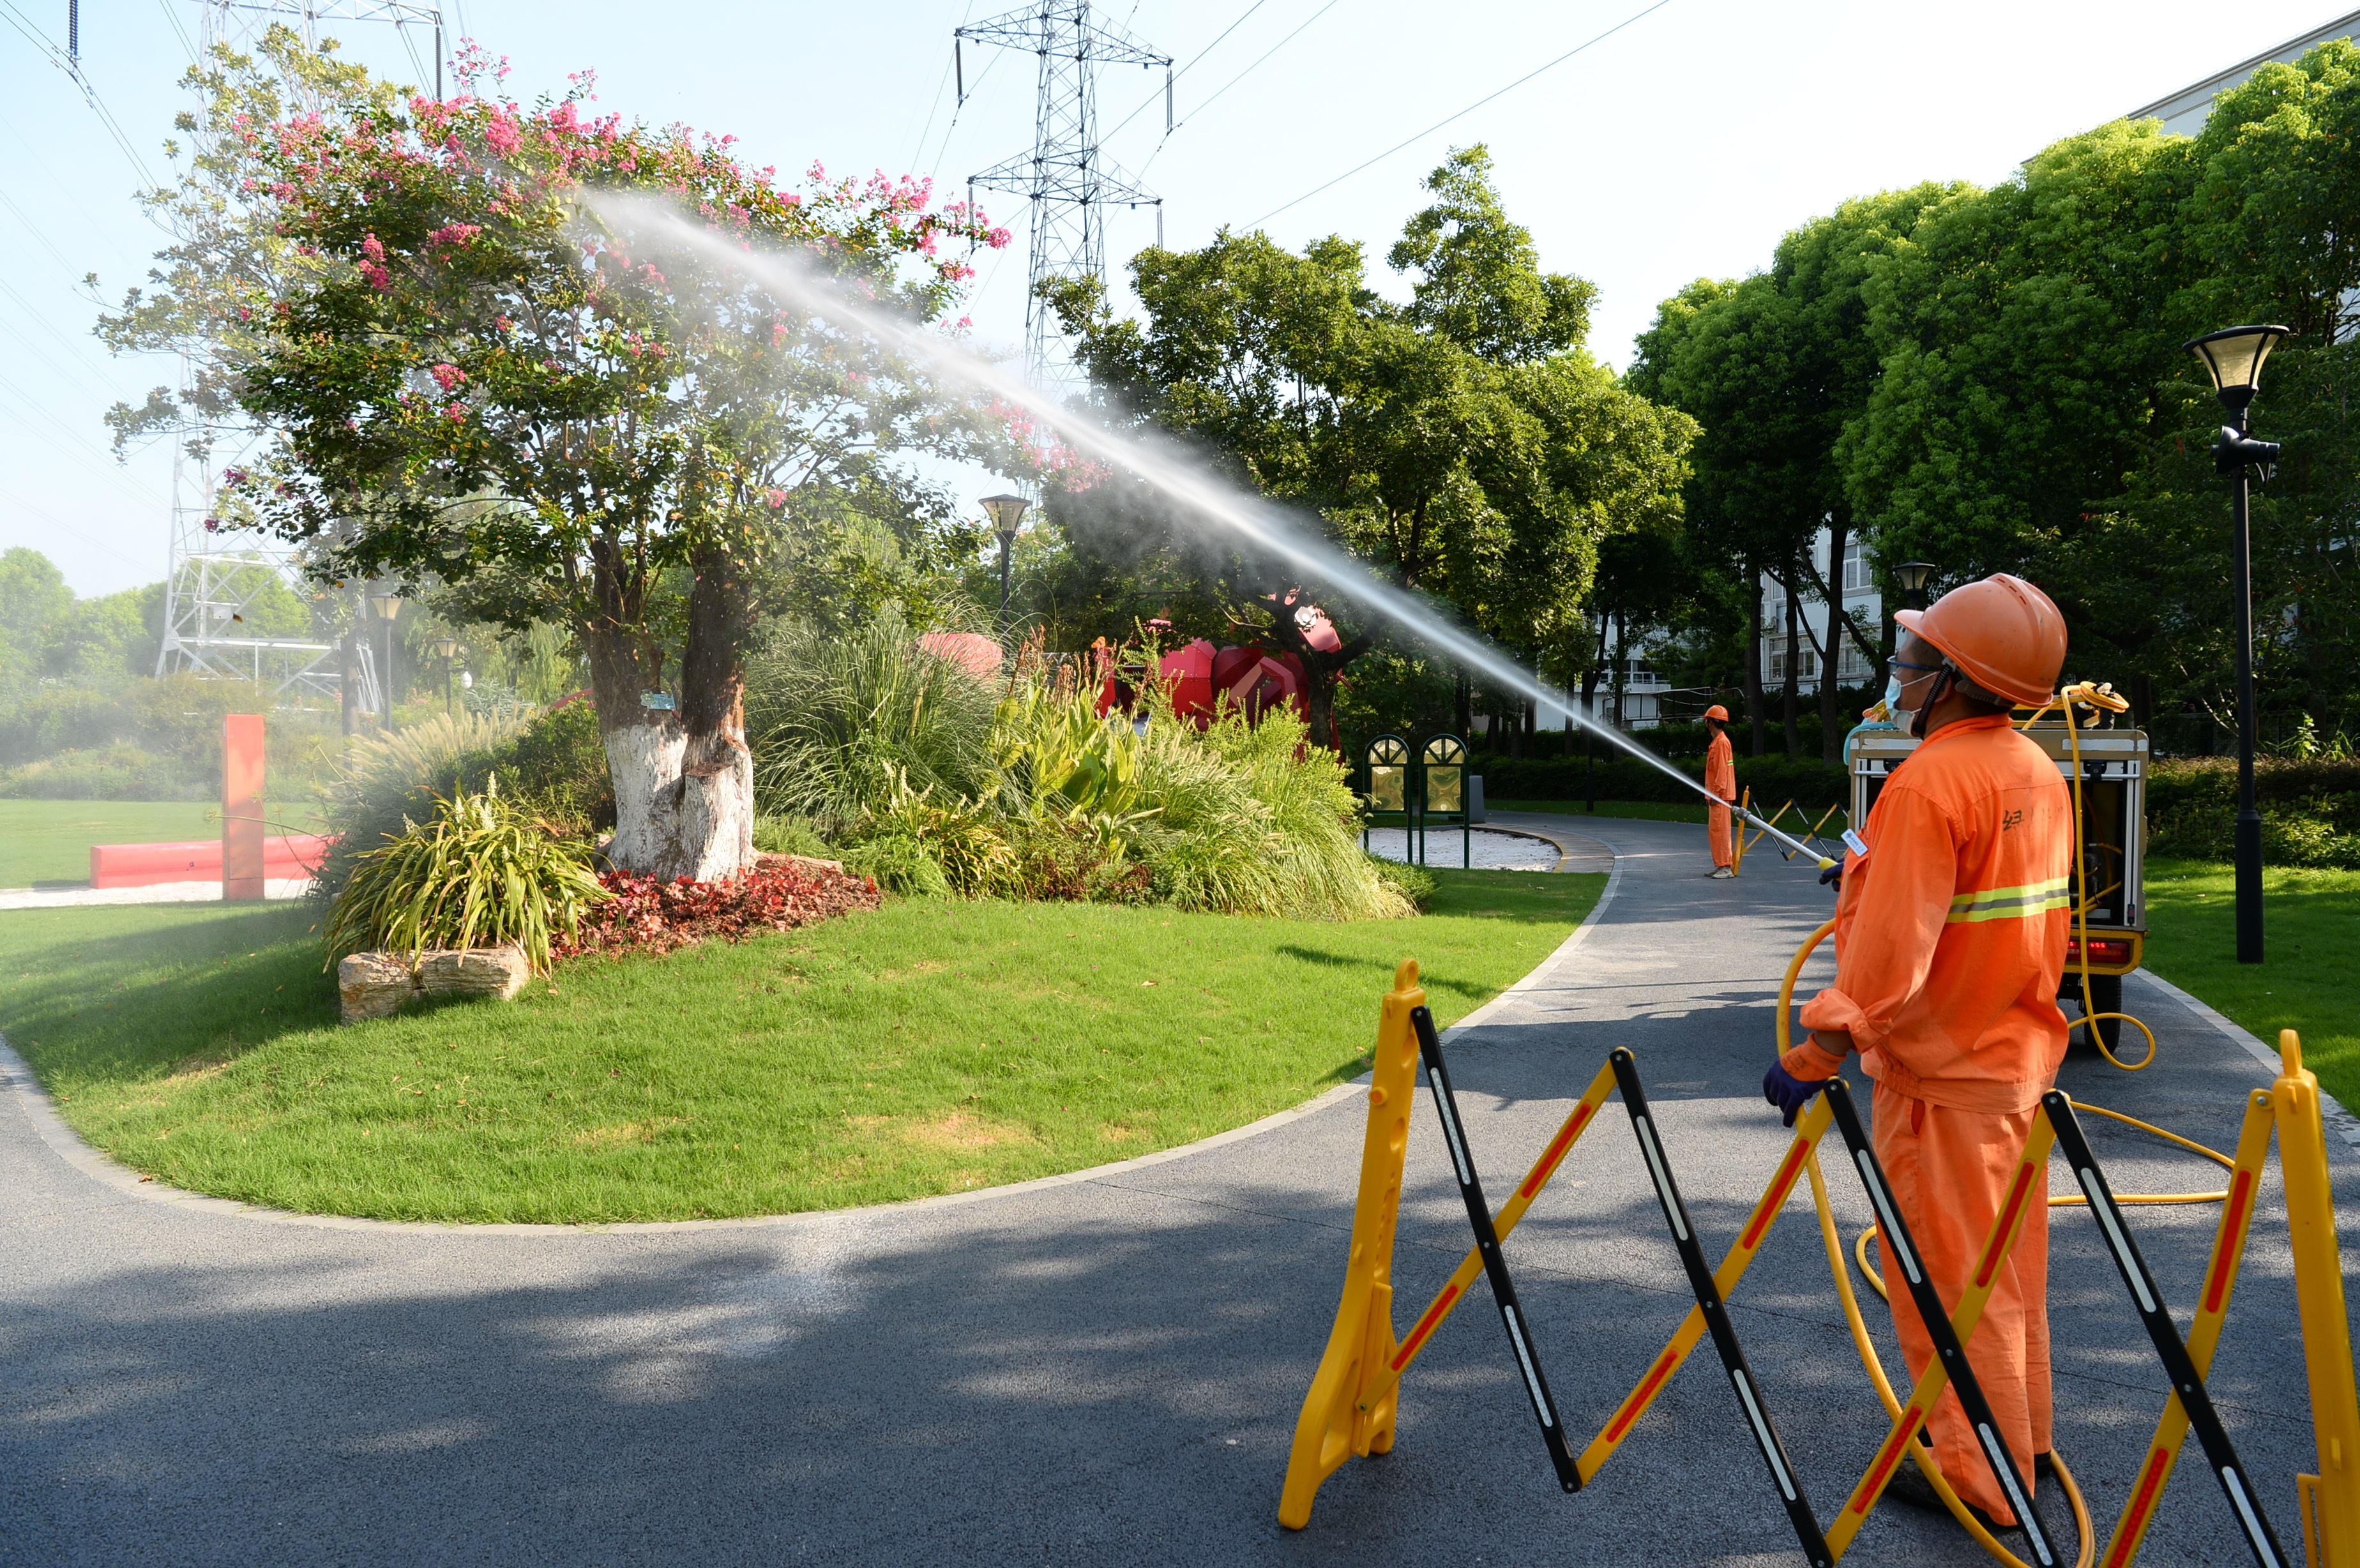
{"points": [[483, 872], [2311, 810], [111, 773], [552, 765], [1415, 883], [386, 783], [789, 835], [841, 725], [643, 914]]}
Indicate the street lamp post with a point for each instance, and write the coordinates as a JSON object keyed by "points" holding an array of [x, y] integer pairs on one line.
{"points": [[386, 603], [446, 649], [1006, 513], [2234, 358]]}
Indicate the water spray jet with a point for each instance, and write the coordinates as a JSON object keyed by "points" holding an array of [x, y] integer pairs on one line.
{"points": [[1248, 516]]}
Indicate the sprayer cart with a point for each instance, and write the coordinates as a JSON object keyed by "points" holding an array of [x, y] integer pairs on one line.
{"points": [[2111, 838]]}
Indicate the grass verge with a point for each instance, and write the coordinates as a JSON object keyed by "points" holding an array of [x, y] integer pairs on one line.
{"points": [[2312, 926], [49, 841], [929, 1047]]}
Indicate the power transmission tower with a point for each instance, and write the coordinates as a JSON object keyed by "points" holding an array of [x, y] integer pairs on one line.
{"points": [[210, 588], [1066, 176]]}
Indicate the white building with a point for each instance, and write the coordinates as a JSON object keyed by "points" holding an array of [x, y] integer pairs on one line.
{"points": [[1862, 602], [2183, 113]]}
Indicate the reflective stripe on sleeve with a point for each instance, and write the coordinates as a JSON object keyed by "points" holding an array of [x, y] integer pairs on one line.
{"points": [[2013, 903]]}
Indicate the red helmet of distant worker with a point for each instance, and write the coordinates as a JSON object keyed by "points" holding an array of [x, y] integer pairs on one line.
{"points": [[2002, 634], [1717, 711]]}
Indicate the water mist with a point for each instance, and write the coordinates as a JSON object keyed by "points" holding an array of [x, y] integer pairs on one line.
{"points": [[1207, 498]]}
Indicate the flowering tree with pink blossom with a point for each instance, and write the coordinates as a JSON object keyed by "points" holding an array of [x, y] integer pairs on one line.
{"points": [[484, 364]]}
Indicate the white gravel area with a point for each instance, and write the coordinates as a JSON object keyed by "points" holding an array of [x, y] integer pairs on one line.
{"points": [[1491, 850], [153, 893]]}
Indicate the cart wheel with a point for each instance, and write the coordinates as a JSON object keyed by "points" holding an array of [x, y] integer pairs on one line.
{"points": [[2107, 997]]}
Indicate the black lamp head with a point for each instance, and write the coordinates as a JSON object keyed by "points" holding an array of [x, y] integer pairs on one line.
{"points": [[2233, 357]]}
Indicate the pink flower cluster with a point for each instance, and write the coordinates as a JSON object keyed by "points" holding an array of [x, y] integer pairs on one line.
{"points": [[373, 264], [448, 377]]}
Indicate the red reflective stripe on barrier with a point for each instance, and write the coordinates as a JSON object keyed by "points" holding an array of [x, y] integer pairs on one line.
{"points": [[1640, 1394], [2150, 1482], [1555, 1151], [1895, 1447], [1776, 1198], [1424, 1326], [2007, 1227], [2216, 1280]]}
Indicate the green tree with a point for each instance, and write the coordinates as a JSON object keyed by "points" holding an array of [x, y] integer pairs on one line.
{"points": [[490, 368], [1463, 444]]}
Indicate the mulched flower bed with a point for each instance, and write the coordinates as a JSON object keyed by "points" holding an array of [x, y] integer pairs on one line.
{"points": [[778, 892]]}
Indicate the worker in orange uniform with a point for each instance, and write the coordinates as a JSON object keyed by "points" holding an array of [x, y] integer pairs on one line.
{"points": [[1950, 931], [1721, 782]]}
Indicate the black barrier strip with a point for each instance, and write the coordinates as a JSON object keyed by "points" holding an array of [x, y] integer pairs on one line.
{"points": [[1495, 1264], [2227, 1468], [1937, 1319], [1716, 1313]]}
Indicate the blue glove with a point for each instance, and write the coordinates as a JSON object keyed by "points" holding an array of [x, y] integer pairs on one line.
{"points": [[1833, 876], [1786, 1092]]}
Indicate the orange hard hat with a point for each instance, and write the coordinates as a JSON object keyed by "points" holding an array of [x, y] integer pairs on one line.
{"points": [[1717, 711], [2002, 633]]}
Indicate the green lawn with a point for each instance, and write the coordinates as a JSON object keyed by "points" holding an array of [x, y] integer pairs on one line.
{"points": [[929, 1047], [49, 841], [2311, 949]]}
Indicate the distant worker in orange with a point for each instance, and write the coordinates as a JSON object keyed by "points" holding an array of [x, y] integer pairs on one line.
{"points": [[1721, 781], [1949, 936]]}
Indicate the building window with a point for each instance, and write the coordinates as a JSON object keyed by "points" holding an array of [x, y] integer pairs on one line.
{"points": [[1855, 576]]}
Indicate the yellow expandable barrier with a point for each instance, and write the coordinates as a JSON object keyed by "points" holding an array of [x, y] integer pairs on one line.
{"points": [[1352, 1404]]}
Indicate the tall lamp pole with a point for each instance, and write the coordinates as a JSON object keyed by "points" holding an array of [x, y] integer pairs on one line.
{"points": [[2233, 357], [388, 605], [446, 649], [1007, 513]]}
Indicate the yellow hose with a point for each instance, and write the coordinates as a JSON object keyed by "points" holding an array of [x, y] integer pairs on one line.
{"points": [[1867, 1347]]}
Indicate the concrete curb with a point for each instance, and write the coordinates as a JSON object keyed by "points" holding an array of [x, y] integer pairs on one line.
{"points": [[68, 1144], [2340, 1121]]}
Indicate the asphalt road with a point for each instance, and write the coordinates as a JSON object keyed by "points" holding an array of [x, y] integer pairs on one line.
{"points": [[1106, 1370]]}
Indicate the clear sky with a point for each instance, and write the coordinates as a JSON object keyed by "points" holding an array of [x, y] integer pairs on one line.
{"points": [[1683, 145]]}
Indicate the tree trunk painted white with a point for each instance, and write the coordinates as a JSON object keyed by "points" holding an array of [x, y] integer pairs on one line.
{"points": [[683, 805]]}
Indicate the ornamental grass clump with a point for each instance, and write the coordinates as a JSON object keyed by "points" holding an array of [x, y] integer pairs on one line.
{"points": [[483, 873]]}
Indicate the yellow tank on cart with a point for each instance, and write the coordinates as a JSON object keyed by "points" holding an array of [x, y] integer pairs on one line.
{"points": [[2111, 839]]}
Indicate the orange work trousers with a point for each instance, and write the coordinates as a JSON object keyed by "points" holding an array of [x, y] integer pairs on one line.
{"points": [[1723, 851], [1950, 1171]]}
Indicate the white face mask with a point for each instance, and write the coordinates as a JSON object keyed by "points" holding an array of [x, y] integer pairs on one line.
{"points": [[1893, 697]]}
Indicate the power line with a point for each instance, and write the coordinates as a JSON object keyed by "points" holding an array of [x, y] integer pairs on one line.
{"points": [[1462, 114], [1184, 70], [919, 149], [1233, 81], [73, 68]]}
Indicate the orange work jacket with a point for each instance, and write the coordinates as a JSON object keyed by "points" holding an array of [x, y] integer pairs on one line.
{"points": [[1720, 769], [1951, 931]]}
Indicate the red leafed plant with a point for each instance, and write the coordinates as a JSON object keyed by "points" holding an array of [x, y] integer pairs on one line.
{"points": [[646, 914]]}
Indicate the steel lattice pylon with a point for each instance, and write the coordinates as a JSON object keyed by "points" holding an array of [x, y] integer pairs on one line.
{"points": [[210, 587], [1066, 177]]}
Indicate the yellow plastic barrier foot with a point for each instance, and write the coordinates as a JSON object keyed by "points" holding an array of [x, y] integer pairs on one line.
{"points": [[1334, 1425], [2330, 1499]]}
